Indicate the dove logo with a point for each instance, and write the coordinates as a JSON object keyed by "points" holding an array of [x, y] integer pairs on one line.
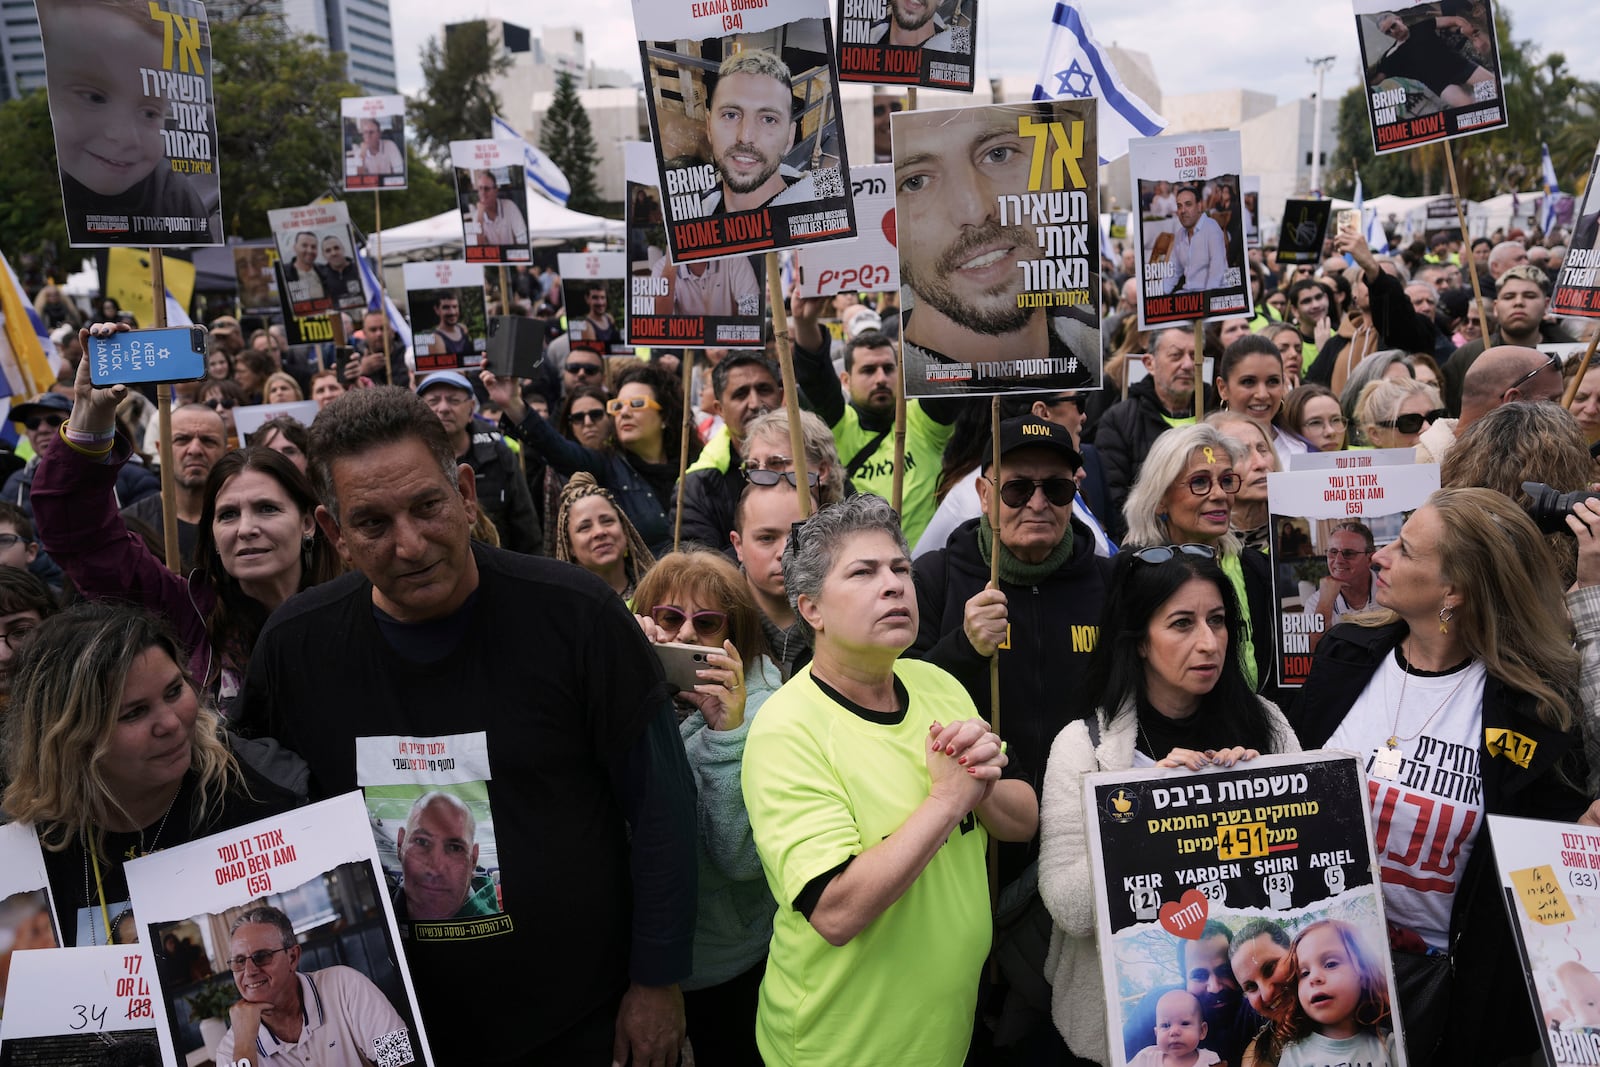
{"points": [[1122, 806]]}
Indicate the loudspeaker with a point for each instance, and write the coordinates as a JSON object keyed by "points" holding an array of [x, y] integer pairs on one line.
{"points": [[516, 346]]}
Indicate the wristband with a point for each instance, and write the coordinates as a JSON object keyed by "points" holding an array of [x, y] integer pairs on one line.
{"points": [[86, 437]]}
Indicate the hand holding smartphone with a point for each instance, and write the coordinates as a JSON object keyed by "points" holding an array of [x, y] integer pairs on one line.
{"points": [[176, 354]]}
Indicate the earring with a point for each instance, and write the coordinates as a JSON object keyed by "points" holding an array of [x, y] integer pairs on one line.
{"points": [[1445, 615]]}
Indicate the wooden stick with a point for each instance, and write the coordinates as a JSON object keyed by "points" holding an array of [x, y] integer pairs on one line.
{"points": [[791, 391], [1583, 368], [683, 444], [1461, 220], [1199, 370], [897, 484], [169, 486], [994, 660], [383, 289]]}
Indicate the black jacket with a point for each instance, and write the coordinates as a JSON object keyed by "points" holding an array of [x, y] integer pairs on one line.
{"points": [[710, 497], [503, 493], [1258, 605], [1490, 1015], [1123, 437]]}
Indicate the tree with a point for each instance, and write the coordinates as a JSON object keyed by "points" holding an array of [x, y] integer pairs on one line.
{"points": [[458, 101], [31, 218], [568, 139]]}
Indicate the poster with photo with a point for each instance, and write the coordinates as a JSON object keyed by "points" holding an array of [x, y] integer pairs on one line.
{"points": [[492, 195], [710, 303], [299, 329], [316, 251], [1325, 525], [135, 126], [1432, 70], [374, 142], [1549, 875], [1304, 228], [449, 320], [1577, 290], [999, 286], [1250, 197], [1190, 224], [871, 262], [745, 119], [908, 42], [248, 418], [27, 915], [253, 263], [595, 285], [291, 911], [83, 1007], [1272, 856]]}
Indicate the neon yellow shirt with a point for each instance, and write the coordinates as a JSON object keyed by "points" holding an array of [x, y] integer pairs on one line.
{"points": [[925, 441]]}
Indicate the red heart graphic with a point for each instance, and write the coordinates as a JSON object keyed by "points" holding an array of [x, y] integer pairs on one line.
{"points": [[888, 227], [1187, 916]]}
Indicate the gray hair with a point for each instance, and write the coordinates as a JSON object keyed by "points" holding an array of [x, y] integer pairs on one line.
{"points": [[1163, 466], [809, 555], [266, 915], [1371, 369], [820, 448], [364, 419], [452, 801]]}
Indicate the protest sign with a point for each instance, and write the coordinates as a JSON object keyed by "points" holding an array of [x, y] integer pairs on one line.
{"points": [[1350, 459], [868, 264], [1278, 849], [1325, 525], [247, 418], [246, 911], [1430, 76], [374, 142], [1577, 291], [713, 303], [908, 42], [315, 246], [449, 322], [1440, 220], [997, 222], [1549, 875], [135, 129], [744, 116], [492, 195], [299, 329], [258, 282], [125, 276], [595, 289], [1250, 197], [83, 1007], [1305, 225], [27, 915], [1190, 245]]}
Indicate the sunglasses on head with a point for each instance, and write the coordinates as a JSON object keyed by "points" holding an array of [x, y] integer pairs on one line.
{"points": [[593, 415], [1411, 422], [706, 623], [763, 477], [638, 403], [1200, 484], [33, 422], [1165, 553], [1058, 491], [1553, 363]]}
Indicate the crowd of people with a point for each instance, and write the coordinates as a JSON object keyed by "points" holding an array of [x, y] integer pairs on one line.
{"points": [[781, 854]]}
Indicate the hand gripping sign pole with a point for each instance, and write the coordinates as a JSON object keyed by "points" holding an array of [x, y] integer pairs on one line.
{"points": [[683, 444], [791, 392], [897, 486], [169, 488], [1461, 220]]}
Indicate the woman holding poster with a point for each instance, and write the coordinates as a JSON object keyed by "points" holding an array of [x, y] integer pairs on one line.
{"points": [[112, 753], [1460, 692], [1168, 663]]}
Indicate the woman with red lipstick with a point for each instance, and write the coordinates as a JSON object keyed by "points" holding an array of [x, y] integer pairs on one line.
{"points": [[1460, 694], [112, 752], [1168, 667]]}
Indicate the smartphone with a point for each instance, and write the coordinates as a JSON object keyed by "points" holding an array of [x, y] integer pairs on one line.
{"points": [[680, 662], [177, 354], [516, 346], [1350, 221]]}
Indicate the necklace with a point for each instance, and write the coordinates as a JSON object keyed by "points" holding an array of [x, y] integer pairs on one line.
{"points": [[1394, 728], [91, 855]]}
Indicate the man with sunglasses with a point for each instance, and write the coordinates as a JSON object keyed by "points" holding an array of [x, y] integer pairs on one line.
{"points": [[1499, 376], [503, 493], [41, 420], [1522, 295], [1042, 621], [744, 385], [582, 367]]}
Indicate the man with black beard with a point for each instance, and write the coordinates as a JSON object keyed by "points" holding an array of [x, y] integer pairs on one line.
{"points": [[962, 264], [913, 24], [750, 127], [1208, 976]]}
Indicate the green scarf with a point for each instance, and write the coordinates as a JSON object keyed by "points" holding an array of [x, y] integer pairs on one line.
{"points": [[1013, 570]]}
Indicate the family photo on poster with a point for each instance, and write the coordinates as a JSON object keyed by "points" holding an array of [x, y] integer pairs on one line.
{"points": [[747, 129], [374, 142], [997, 227], [1432, 70], [908, 42]]}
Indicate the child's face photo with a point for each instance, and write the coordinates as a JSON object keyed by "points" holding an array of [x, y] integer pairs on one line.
{"points": [[1330, 982], [1179, 1027], [1582, 991], [107, 130]]}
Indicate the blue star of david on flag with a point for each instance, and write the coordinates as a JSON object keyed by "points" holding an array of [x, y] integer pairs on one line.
{"points": [[1069, 87], [1081, 69]]}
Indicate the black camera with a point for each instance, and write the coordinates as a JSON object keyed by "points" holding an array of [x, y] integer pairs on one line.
{"points": [[1549, 509]]}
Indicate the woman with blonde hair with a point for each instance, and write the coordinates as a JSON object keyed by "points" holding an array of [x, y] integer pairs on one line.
{"points": [[112, 752], [1394, 412], [281, 388], [767, 448], [594, 533], [1460, 692]]}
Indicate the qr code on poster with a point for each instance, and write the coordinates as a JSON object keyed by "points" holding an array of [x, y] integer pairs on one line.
{"points": [[961, 38], [749, 306], [393, 1049], [1482, 91], [825, 180]]}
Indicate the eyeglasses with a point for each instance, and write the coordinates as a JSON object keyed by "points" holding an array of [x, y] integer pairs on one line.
{"points": [[1347, 553], [763, 477], [19, 629], [1165, 553], [220, 404], [592, 415], [1332, 422], [260, 958], [1411, 422], [35, 421], [1016, 492], [706, 623], [1200, 484], [582, 369], [637, 403], [1553, 363]]}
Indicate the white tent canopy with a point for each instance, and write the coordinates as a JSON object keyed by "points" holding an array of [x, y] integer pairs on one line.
{"points": [[440, 236]]}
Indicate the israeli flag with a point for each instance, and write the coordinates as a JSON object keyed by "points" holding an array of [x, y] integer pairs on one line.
{"points": [[1075, 67], [1552, 188], [398, 327], [544, 177], [1371, 228]]}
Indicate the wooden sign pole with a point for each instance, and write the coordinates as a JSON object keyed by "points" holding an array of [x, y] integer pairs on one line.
{"points": [[169, 486]]}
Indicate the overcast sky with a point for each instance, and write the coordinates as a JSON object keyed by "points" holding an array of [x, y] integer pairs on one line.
{"points": [[1254, 44]]}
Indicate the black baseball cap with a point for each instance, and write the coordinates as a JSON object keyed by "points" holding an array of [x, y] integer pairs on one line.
{"points": [[1030, 431], [43, 404]]}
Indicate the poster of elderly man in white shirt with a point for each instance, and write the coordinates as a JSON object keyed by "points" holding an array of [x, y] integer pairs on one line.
{"points": [[1190, 220]]}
